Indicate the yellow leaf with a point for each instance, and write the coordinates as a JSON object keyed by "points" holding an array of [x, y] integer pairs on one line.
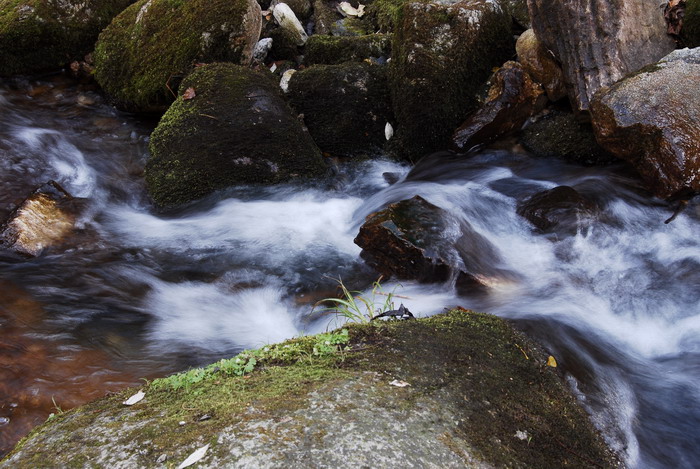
{"points": [[551, 361]]}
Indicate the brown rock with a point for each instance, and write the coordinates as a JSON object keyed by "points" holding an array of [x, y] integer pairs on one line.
{"points": [[562, 210], [512, 98], [540, 64], [651, 120], [44, 219], [598, 42]]}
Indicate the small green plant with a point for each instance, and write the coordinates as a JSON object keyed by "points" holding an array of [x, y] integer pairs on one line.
{"points": [[316, 346], [354, 306]]}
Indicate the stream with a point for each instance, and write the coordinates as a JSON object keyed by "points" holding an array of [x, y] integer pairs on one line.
{"points": [[140, 294]]}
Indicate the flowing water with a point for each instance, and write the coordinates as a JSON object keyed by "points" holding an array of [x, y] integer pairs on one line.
{"points": [[140, 294]]}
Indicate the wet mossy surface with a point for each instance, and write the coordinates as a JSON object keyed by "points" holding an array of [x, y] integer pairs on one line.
{"points": [[40, 35], [442, 57], [152, 45], [333, 50], [345, 107], [479, 394], [236, 129], [690, 34]]}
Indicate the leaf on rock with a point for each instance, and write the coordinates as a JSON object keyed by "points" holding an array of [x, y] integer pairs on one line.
{"points": [[135, 398], [673, 14], [194, 457], [399, 384], [551, 361], [189, 94]]}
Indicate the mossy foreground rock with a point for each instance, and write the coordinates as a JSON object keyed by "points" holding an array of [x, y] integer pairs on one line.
{"points": [[442, 55], [230, 126], [153, 44], [459, 389], [44, 35]]}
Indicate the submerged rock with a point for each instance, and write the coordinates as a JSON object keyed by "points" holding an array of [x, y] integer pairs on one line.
{"points": [[43, 220], [561, 210], [45, 35], [141, 57], [512, 98], [442, 55], [232, 128], [457, 390], [345, 106], [659, 134], [597, 42], [540, 64]]}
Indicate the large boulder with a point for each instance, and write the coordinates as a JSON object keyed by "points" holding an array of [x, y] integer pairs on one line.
{"points": [[598, 42], [512, 98], [651, 120], [540, 64], [141, 57], [456, 390], [42, 220], [229, 126], [45, 35], [345, 107], [331, 50], [442, 56]]}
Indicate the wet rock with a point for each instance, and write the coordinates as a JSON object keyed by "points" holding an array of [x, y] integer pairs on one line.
{"points": [[599, 47], [540, 64], [659, 134], [560, 135], [152, 45], [562, 210], [345, 106], [416, 240], [442, 55], [43, 220], [45, 35], [475, 387], [332, 50], [302, 8], [237, 129], [512, 98], [518, 11], [288, 21]]}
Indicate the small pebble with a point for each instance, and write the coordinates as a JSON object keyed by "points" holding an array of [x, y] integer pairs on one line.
{"points": [[181, 422]]}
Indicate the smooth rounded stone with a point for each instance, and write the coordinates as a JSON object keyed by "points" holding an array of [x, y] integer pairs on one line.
{"points": [[599, 47], [540, 64], [442, 57], [234, 127], [561, 210], [512, 98], [42, 220], [332, 50], [659, 134], [288, 21], [561, 135], [45, 35], [145, 52], [345, 107]]}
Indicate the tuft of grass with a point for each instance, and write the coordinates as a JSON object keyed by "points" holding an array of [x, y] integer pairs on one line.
{"points": [[355, 306], [317, 346]]}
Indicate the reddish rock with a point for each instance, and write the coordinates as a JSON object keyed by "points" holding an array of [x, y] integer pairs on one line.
{"points": [[540, 64], [512, 98], [651, 120], [598, 42]]}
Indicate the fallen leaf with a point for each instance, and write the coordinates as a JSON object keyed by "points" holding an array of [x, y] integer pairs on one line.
{"points": [[399, 384], [551, 361], [135, 398], [189, 94], [194, 457]]}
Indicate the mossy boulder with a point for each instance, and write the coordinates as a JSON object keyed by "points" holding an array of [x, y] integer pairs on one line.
{"points": [[331, 50], [456, 390], [45, 35], [345, 107], [230, 126], [153, 44], [442, 56], [690, 34]]}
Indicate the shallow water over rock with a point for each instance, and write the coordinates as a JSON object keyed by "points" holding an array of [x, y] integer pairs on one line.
{"points": [[146, 294]]}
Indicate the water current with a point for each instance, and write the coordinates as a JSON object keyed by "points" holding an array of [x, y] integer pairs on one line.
{"points": [[140, 294]]}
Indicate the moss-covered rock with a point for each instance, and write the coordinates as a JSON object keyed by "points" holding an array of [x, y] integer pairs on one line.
{"points": [[153, 44], [690, 34], [442, 56], [232, 126], [44, 35], [331, 50], [459, 389], [345, 107]]}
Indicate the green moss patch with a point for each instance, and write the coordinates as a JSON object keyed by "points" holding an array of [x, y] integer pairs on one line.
{"points": [[331, 50]]}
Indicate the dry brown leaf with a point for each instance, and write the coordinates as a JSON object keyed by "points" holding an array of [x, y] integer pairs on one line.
{"points": [[189, 94]]}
